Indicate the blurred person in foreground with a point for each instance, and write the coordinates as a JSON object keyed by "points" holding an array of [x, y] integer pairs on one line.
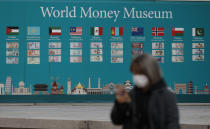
{"points": [[150, 104]]}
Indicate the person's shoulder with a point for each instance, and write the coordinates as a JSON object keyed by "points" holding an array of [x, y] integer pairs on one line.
{"points": [[169, 94]]}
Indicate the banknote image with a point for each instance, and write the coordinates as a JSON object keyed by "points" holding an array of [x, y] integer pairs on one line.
{"points": [[75, 51], [54, 44], [137, 52], [33, 60], [12, 60], [158, 52], [12, 45], [54, 58], [76, 59], [96, 58], [33, 52], [117, 45], [177, 52], [96, 45], [54, 51], [75, 45], [197, 57], [177, 45], [137, 45], [12, 52], [116, 59], [198, 51], [157, 45], [96, 51], [177, 58], [117, 52], [197, 45], [160, 59]]}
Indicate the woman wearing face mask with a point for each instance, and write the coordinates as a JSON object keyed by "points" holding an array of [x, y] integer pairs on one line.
{"points": [[149, 105]]}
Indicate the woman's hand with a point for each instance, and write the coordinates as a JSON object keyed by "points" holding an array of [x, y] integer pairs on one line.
{"points": [[122, 96]]}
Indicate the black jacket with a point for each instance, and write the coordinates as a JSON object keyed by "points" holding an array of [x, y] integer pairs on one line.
{"points": [[156, 109]]}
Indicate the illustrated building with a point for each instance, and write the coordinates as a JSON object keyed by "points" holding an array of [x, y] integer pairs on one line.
{"points": [[128, 85], [62, 90], [12, 90], [190, 87], [54, 89], [205, 91], [94, 91], [111, 88], [41, 88], [180, 88], [108, 88], [21, 90], [69, 86], [196, 90], [79, 89], [2, 89], [8, 85]]}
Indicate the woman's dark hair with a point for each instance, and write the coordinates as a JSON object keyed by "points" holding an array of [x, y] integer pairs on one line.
{"points": [[146, 64]]}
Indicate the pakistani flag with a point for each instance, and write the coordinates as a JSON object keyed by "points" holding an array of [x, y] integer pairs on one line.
{"points": [[55, 30], [197, 31], [96, 31], [11, 30]]}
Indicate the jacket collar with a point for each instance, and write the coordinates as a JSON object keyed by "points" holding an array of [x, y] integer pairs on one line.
{"points": [[158, 85]]}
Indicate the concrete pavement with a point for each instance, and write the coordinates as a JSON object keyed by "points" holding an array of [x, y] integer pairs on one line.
{"points": [[85, 115]]}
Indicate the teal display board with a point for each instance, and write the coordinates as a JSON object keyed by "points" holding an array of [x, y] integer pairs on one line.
{"points": [[93, 42]]}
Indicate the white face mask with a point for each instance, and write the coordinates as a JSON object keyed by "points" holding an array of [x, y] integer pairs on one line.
{"points": [[140, 80]]}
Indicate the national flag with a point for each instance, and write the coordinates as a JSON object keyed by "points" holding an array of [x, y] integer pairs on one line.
{"points": [[54, 30], [116, 31], [197, 31], [137, 31], [96, 31], [177, 31], [157, 31], [75, 30], [33, 30], [12, 30]]}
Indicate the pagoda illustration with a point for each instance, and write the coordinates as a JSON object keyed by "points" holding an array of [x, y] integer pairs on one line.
{"points": [[79, 89], [128, 85], [54, 89], [190, 87], [62, 90]]}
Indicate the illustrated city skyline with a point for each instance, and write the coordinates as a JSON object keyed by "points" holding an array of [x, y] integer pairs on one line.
{"points": [[8, 88]]}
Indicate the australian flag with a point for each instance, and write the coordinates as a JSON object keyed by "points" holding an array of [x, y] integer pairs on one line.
{"points": [[137, 31]]}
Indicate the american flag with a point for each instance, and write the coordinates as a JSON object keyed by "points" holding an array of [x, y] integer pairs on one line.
{"points": [[75, 30], [157, 31]]}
